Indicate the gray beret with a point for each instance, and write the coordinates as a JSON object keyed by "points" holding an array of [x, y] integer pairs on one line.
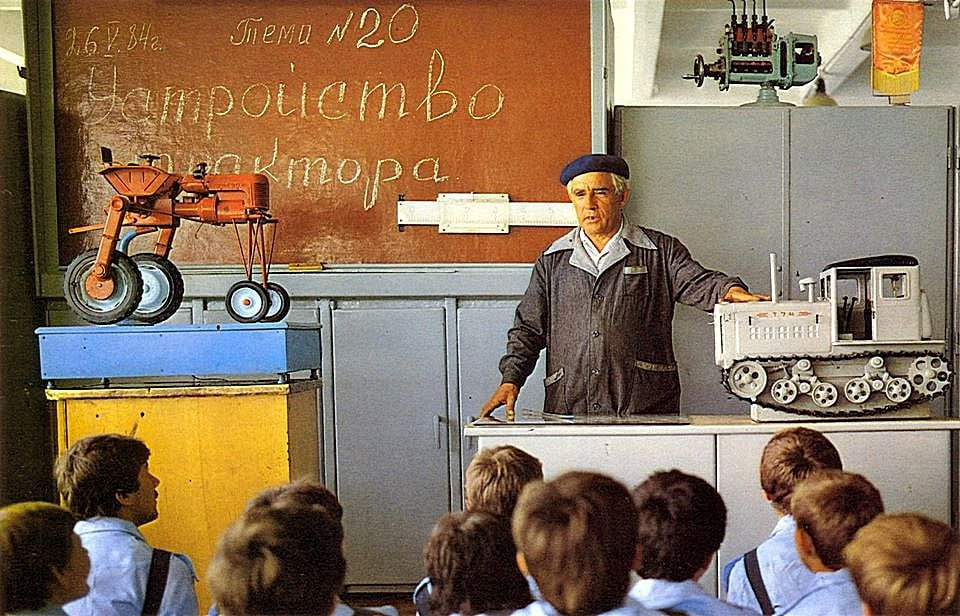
{"points": [[595, 162]]}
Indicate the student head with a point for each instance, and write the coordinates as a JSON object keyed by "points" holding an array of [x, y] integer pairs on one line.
{"points": [[830, 507], [577, 536], [681, 521], [472, 565], [107, 475], [905, 564], [282, 558], [42, 558], [788, 458], [305, 491], [496, 476]]}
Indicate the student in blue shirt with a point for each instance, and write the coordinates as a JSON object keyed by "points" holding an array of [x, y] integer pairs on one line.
{"points": [[830, 507], [779, 575], [577, 536], [43, 563], [681, 523], [105, 480]]}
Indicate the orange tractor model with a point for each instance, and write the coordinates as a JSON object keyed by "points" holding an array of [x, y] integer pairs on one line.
{"points": [[105, 285]]}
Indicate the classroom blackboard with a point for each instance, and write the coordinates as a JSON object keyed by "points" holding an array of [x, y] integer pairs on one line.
{"points": [[344, 106]]}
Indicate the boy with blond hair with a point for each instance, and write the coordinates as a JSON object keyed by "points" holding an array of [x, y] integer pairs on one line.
{"points": [[496, 476], [830, 507], [577, 536], [772, 575], [905, 564]]}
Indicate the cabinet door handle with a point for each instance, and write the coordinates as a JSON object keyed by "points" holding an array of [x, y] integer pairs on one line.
{"points": [[438, 430]]}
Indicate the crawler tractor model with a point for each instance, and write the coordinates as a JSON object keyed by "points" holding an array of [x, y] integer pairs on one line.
{"points": [[861, 348]]}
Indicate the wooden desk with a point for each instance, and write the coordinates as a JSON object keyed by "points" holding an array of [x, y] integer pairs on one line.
{"points": [[212, 448]]}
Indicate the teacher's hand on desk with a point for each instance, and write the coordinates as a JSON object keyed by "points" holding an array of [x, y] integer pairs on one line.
{"points": [[506, 394]]}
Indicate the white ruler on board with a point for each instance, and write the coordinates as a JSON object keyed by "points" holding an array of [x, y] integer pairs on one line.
{"points": [[483, 213]]}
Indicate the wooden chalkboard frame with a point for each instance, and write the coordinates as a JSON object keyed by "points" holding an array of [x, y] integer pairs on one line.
{"points": [[39, 45]]}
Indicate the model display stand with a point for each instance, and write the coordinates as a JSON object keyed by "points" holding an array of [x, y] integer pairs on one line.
{"points": [[762, 413], [254, 351]]}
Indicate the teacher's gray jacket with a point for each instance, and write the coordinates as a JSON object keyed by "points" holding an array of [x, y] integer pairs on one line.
{"points": [[609, 336]]}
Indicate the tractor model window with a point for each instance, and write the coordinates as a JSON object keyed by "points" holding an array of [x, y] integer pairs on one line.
{"points": [[893, 286]]}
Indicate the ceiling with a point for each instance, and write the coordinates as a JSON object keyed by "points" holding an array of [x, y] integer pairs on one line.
{"points": [[656, 42]]}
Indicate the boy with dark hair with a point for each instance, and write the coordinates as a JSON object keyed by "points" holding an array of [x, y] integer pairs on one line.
{"points": [[681, 524], [905, 564], [493, 482], [772, 575], [106, 481], [577, 537], [472, 564], [283, 558], [830, 507], [42, 563]]}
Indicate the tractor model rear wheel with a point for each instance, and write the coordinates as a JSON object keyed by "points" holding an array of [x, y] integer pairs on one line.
{"points": [[122, 301]]}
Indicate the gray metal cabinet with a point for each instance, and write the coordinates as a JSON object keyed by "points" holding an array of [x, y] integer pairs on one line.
{"points": [[392, 450], [813, 185]]}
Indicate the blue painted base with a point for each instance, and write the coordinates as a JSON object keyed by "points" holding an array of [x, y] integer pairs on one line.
{"points": [[224, 349]]}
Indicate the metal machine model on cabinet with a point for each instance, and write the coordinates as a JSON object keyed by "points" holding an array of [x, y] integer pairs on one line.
{"points": [[861, 348]]}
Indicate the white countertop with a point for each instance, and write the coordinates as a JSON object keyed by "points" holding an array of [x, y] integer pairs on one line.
{"points": [[708, 424]]}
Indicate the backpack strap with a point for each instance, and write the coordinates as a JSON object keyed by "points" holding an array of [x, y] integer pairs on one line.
{"points": [[752, 565], [156, 582]]}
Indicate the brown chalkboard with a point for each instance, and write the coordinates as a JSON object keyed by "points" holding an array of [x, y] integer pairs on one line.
{"points": [[343, 106]]}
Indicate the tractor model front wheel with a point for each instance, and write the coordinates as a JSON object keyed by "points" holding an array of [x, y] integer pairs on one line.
{"points": [[279, 303], [162, 288], [247, 302], [121, 301]]}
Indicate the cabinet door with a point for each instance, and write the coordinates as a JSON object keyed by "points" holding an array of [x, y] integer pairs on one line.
{"points": [[714, 178], [391, 438]]}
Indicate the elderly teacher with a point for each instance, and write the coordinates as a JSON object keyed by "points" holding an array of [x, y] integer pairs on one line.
{"points": [[601, 301]]}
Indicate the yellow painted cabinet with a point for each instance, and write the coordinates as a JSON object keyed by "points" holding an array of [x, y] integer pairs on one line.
{"points": [[211, 447]]}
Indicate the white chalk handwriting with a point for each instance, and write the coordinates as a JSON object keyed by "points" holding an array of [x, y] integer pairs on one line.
{"points": [[253, 31], [401, 27], [338, 100], [111, 39], [312, 172]]}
